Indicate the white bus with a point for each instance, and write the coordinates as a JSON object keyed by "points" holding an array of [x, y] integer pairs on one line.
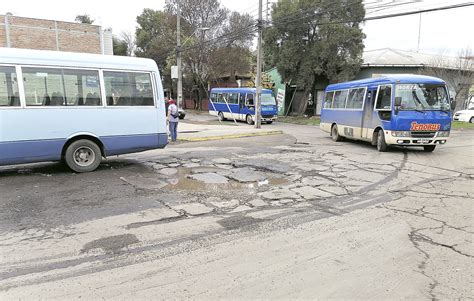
{"points": [[77, 107]]}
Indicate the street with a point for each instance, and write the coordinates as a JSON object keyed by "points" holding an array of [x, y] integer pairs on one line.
{"points": [[287, 215]]}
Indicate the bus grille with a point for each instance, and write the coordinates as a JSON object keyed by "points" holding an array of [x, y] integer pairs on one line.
{"points": [[423, 134], [267, 116]]}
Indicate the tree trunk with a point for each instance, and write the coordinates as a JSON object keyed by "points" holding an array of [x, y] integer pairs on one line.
{"points": [[304, 104]]}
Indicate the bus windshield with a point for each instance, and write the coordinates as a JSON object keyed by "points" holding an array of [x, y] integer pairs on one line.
{"points": [[268, 100], [422, 97]]}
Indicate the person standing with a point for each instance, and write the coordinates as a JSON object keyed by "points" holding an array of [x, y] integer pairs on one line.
{"points": [[173, 117]]}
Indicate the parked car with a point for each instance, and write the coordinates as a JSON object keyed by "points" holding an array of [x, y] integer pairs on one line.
{"points": [[465, 115], [182, 113]]}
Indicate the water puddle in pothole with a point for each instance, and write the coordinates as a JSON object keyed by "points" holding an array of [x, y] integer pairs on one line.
{"points": [[182, 181]]}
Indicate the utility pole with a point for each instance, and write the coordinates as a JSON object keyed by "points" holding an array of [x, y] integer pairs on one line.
{"points": [[258, 81], [419, 35], [178, 57]]}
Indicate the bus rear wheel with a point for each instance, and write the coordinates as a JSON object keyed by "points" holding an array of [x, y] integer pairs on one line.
{"points": [[220, 115], [83, 156], [381, 144], [429, 148], [249, 119], [334, 134]]}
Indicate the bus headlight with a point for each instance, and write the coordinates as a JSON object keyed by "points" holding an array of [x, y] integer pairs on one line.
{"points": [[443, 134], [401, 134]]}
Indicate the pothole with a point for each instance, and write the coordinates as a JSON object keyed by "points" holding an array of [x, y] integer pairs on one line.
{"points": [[111, 244]]}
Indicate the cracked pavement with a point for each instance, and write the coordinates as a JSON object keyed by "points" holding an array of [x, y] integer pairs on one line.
{"points": [[285, 216]]}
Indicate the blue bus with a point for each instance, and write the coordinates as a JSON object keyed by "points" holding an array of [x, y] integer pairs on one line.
{"points": [[403, 110], [77, 107], [238, 104]]}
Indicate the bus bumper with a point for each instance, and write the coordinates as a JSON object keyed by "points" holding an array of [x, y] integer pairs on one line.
{"points": [[393, 138], [268, 118]]}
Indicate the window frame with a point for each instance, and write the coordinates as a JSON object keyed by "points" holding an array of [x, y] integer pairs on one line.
{"points": [[332, 99], [104, 101], [334, 96], [246, 99], [363, 99], [377, 97], [19, 86], [22, 89]]}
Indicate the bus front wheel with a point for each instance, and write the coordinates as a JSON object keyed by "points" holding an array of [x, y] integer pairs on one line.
{"points": [[335, 135], [381, 144], [249, 119], [83, 156]]}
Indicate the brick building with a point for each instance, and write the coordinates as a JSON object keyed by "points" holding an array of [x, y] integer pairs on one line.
{"points": [[20, 32]]}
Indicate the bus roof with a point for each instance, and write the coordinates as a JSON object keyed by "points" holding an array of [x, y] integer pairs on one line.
{"points": [[388, 79], [240, 90], [72, 59]]}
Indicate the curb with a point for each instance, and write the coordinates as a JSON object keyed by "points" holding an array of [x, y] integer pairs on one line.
{"points": [[231, 136]]}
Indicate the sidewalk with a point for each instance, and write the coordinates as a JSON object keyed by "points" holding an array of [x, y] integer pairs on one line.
{"points": [[226, 130]]}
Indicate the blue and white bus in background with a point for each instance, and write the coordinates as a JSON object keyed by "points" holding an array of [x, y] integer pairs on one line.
{"points": [[77, 107], [403, 110], [239, 104]]}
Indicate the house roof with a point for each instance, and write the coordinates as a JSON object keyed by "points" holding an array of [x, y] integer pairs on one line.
{"points": [[388, 57]]}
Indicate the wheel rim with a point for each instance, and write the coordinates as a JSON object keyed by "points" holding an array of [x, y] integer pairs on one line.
{"points": [[84, 156], [249, 119], [220, 116], [334, 132]]}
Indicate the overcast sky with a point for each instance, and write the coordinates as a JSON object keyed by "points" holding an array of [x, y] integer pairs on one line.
{"points": [[441, 32]]}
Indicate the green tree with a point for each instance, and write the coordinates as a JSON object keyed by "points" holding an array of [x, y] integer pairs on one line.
{"points": [[310, 39], [120, 46], [84, 19], [214, 43], [155, 36]]}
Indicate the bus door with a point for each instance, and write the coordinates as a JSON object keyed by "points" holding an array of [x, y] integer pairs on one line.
{"points": [[241, 106], [368, 112], [249, 106]]}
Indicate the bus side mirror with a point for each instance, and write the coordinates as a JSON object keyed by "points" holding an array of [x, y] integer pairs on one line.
{"points": [[398, 101], [453, 104], [397, 104]]}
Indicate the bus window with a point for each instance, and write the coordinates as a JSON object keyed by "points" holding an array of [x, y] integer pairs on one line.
{"points": [[233, 98], [220, 97], [8, 88], [82, 87], [128, 88], [339, 99], [384, 98], [61, 87], [43, 87], [328, 100], [355, 99], [249, 100], [213, 97]]}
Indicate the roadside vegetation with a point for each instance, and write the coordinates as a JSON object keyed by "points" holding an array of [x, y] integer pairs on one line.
{"points": [[314, 120], [459, 125]]}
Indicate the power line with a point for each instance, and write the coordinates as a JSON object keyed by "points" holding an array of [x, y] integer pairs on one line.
{"points": [[383, 16]]}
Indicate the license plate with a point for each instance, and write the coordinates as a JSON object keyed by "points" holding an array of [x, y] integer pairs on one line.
{"points": [[424, 140]]}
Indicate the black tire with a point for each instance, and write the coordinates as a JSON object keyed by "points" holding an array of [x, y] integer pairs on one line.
{"points": [[220, 115], [381, 144], [181, 116], [269, 122], [471, 120], [429, 148], [335, 135], [83, 156], [249, 119]]}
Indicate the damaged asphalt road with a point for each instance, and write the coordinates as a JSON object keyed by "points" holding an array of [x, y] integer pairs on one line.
{"points": [[284, 216]]}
